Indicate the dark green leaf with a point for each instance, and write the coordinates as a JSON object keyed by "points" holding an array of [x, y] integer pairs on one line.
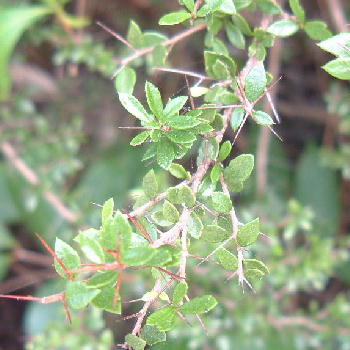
{"points": [[255, 82], [174, 18], [140, 138], [248, 233], [228, 260], [235, 35], [134, 107], [212, 58], [283, 28], [180, 292], [215, 173], [214, 234], [225, 150], [181, 136], [199, 305], [174, 105], [79, 295], [135, 342], [262, 118], [239, 170], [150, 184], [182, 122], [165, 153], [242, 24], [152, 335], [317, 30], [154, 100]]}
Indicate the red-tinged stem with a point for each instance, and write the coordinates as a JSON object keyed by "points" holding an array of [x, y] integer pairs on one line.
{"points": [[54, 255], [140, 228], [45, 300]]}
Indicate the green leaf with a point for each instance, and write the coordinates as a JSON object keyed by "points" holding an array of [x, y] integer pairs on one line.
{"points": [[139, 252], [214, 234], [174, 105], [214, 5], [180, 292], [135, 342], [297, 10], [125, 80], [68, 255], [215, 173], [283, 28], [165, 153], [189, 4], [134, 35], [79, 295], [317, 30], [150, 184], [154, 100], [194, 226], [199, 305], [179, 171], [228, 7], [90, 247], [212, 148], [248, 233], [187, 196], [238, 171], [181, 136], [338, 45], [225, 150], [255, 264], [269, 7], [338, 68], [216, 62], [134, 107], [153, 38], [140, 138], [262, 118], [101, 279], [152, 335], [242, 24], [13, 22], [157, 57], [253, 274], [107, 210], [220, 202], [237, 118], [255, 82], [174, 18], [228, 260], [170, 212], [197, 91], [164, 319], [182, 122], [235, 35]]}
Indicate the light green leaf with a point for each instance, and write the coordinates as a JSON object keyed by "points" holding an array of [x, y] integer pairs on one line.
{"points": [[189, 4], [283, 28], [338, 68], [220, 202], [181, 136], [239, 169], [68, 256], [235, 35], [214, 5], [153, 38], [225, 150], [134, 107], [215, 173], [212, 148], [255, 264], [174, 18], [79, 295], [170, 212], [157, 57], [125, 80], [317, 30], [152, 335], [242, 24], [194, 226], [248, 233], [150, 184], [187, 196], [199, 305], [174, 105], [134, 35], [228, 260], [140, 138], [237, 118], [13, 22], [228, 7], [197, 91], [338, 45], [90, 247], [164, 319], [212, 59], [255, 82], [214, 234], [262, 118], [139, 252], [297, 10], [135, 342], [179, 171], [107, 210], [181, 122], [180, 292], [253, 274], [165, 153], [154, 100], [269, 7], [101, 279]]}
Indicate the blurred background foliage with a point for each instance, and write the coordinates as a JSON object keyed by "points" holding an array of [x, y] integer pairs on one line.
{"points": [[61, 151]]}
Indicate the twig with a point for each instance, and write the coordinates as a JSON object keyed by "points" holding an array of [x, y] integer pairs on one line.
{"points": [[116, 35], [31, 177]]}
